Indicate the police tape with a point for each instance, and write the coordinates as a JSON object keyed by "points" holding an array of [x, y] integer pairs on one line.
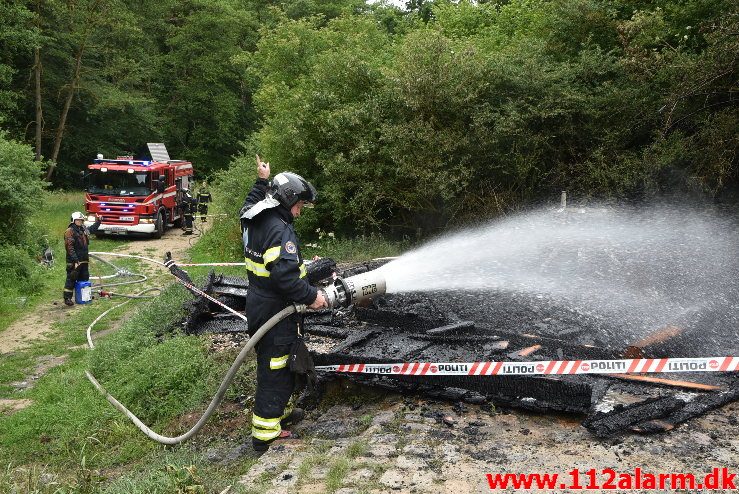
{"points": [[543, 367], [170, 263]]}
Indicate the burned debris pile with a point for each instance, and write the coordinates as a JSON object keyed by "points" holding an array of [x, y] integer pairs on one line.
{"points": [[480, 327]]}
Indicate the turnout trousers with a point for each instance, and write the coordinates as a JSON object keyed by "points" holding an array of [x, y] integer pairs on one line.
{"points": [[188, 223], [82, 273], [275, 381]]}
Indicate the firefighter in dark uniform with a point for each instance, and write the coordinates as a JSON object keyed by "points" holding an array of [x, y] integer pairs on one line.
{"points": [[76, 243], [204, 198], [189, 207], [277, 278]]}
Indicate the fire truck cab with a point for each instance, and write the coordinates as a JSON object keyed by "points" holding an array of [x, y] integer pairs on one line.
{"points": [[136, 196]]}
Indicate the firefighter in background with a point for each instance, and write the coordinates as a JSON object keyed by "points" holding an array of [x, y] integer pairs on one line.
{"points": [[204, 198], [189, 207], [76, 243], [277, 278]]}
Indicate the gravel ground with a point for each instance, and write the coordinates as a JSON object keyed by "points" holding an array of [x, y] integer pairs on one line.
{"points": [[409, 444]]}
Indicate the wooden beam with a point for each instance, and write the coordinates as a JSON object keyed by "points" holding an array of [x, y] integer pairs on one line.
{"points": [[525, 352], [636, 349], [666, 382]]}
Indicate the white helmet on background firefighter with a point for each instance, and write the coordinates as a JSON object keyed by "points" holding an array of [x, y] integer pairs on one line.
{"points": [[77, 216]]}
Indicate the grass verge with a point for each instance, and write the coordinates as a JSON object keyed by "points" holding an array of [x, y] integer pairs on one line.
{"points": [[70, 433]]}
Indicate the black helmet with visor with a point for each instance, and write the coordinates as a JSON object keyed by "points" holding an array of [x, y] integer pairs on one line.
{"points": [[289, 188]]}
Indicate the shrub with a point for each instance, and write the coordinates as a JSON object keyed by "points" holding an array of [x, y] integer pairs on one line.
{"points": [[21, 191]]}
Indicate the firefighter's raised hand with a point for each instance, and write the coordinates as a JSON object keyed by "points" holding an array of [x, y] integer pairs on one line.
{"points": [[262, 168], [319, 302]]}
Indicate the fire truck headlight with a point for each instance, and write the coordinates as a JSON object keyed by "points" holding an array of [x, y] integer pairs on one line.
{"points": [[91, 218], [146, 220]]}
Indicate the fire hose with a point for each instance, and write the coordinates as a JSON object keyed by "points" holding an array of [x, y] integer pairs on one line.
{"points": [[291, 309], [342, 292], [118, 272]]}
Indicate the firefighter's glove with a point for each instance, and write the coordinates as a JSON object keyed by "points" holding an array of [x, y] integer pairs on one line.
{"points": [[73, 273]]}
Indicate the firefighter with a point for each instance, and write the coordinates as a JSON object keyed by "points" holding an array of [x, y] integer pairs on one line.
{"points": [[189, 207], [277, 278], [204, 198], [76, 243]]}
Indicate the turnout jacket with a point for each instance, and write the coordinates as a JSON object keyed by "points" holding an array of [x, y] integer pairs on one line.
{"points": [[272, 253], [189, 204], [77, 242]]}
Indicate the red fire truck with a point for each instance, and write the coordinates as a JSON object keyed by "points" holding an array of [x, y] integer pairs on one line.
{"points": [[136, 196]]}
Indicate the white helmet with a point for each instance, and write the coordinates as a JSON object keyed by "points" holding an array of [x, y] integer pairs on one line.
{"points": [[77, 216]]}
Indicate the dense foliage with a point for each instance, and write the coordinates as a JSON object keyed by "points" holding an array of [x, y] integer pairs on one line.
{"points": [[486, 107], [404, 118], [21, 193]]}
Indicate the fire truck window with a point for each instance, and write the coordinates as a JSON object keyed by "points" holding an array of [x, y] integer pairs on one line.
{"points": [[119, 183]]}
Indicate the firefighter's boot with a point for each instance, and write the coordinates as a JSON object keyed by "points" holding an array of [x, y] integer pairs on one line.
{"points": [[262, 446], [296, 415], [68, 302]]}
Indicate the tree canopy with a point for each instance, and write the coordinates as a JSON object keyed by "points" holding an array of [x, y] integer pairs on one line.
{"points": [[418, 117]]}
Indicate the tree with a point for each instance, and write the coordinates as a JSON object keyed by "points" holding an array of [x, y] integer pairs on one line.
{"points": [[17, 35]]}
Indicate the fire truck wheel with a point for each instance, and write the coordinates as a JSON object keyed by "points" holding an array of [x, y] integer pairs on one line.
{"points": [[159, 225]]}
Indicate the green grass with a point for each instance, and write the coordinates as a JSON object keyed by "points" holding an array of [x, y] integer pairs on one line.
{"points": [[354, 249], [71, 434], [309, 463], [223, 243], [336, 474], [159, 376], [357, 448]]}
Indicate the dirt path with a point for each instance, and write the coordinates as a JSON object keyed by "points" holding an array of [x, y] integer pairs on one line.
{"points": [[38, 324], [173, 241]]}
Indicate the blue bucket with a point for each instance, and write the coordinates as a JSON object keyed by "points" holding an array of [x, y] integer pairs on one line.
{"points": [[82, 292]]}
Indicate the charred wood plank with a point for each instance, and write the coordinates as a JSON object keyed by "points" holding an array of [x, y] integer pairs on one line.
{"points": [[623, 417], [697, 406], [528, 392], [355, 338], [491, 341], [455, 328], [327, 331], [570, 351], [397, 319], [532, 392]]}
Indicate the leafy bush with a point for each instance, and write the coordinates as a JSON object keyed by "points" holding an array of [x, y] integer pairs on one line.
{"points": [[21, 196], [21, 191], [19, 270], [22, 277]]}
